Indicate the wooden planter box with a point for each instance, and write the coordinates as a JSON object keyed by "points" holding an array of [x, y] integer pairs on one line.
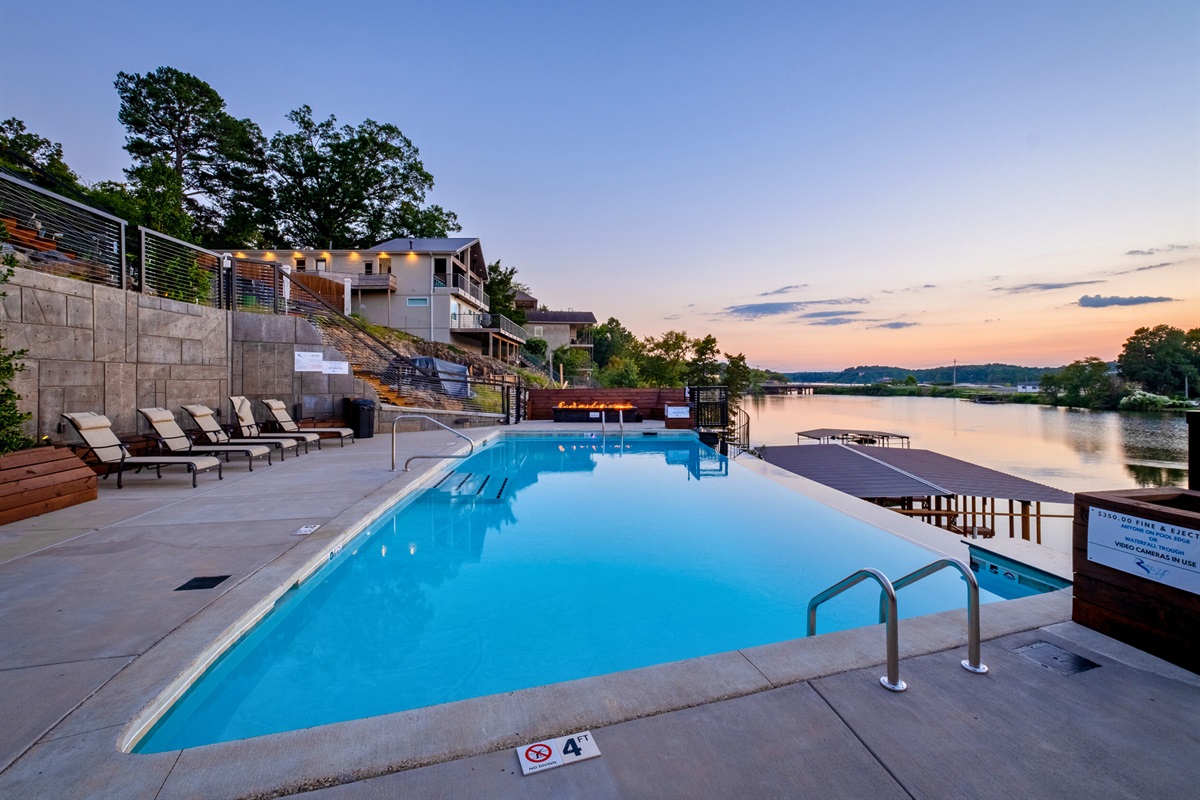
{"points": [[1135, 559], [42, 479]]}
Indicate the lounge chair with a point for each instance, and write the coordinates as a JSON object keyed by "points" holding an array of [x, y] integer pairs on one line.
{"points": [[213, 433], [285, 423], [171, 437], [96, 432], [248, 428]]}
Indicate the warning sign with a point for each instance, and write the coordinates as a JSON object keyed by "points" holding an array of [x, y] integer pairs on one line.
{"points": [[557, 752]]}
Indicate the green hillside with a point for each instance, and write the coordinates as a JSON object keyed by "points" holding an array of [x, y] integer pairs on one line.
{"points": [[1002, 374]]}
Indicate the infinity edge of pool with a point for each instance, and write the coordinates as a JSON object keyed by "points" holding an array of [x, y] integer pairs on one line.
{"points": [[605, 699]]}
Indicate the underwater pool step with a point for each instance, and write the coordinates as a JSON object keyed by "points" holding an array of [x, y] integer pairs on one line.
{"points": [[462, 487]]}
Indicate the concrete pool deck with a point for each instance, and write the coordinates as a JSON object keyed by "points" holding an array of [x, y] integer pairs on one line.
{"points": [[93, 634]]}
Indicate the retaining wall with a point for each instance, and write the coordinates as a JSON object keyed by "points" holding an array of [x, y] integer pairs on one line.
{"points": [[97, 348]]}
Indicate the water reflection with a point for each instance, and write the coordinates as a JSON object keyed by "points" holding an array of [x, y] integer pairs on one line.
{"points": [[1073, 450], [1156, 477], [1153, 437]]}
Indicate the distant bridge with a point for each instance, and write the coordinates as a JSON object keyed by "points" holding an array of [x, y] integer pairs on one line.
{"points": [[777, 387]]}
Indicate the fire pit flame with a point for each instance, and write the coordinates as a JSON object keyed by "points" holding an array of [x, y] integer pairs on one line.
{"points": [[597, 406]]}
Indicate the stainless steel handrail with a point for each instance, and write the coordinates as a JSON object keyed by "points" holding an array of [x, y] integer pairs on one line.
{"points": [[972, 661], [891, 681], [435, 422]]}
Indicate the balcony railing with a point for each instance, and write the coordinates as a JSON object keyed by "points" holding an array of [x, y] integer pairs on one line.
{"points": [[460, 284], [468, 320]]}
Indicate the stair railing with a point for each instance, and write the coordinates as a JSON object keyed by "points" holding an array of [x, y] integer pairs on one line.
{"points": [[887, 613], [971, 663], [470, 441], [891, 681]]}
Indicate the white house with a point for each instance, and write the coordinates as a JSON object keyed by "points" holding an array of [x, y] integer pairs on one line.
{"points": [[432, 288]]}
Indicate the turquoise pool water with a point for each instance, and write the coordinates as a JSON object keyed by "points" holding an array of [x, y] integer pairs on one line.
{"points": [[541, 560]]}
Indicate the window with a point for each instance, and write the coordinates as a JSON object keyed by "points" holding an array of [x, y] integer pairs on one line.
{"points": [[300, 264], [439, 266], [368, 267], [418, 302], [537, 331], [321, 266]]}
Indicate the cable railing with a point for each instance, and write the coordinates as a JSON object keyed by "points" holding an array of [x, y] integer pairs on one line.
{"points": [[60, 236], [54, 234], [177, 270]]}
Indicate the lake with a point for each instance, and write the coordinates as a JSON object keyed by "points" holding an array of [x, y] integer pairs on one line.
{"points": [[1073, 450]]}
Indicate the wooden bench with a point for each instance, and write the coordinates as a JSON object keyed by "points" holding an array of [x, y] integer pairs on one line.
{"points": [[42, 479]]}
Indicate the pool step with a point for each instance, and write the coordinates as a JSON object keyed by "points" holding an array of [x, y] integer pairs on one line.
{"points": [[464, 487]]}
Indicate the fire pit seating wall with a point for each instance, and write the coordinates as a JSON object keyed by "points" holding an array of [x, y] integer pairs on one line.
{"points": [[648, 403]]}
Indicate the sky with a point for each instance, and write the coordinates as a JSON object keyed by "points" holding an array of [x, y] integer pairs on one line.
{"points": [[818, 185]]}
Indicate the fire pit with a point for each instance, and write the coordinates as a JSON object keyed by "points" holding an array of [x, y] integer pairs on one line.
{"points": [[596, 412]]}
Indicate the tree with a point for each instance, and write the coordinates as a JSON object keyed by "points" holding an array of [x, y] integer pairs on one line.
{"points": [[1085, 383], [12, 437], [1161, 358], [611, 339], [703, 369], [180, 120], [350, 187], [501, 288], [570, 362], [34, 158], [737, 377], [154, 199], [665, 359], [537, 347]]}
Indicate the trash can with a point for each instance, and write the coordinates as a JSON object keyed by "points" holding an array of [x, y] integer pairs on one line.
{"points": [[360, 416]]}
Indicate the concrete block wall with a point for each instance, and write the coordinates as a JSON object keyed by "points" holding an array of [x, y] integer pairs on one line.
{"points": [[264, 348], [96, 348]]}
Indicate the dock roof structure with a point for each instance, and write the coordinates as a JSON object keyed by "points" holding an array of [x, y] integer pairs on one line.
{"points": [[876, 472]]}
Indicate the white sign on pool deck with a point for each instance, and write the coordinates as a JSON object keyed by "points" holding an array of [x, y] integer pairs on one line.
{"points": [[1157, 551], [556, 752]]}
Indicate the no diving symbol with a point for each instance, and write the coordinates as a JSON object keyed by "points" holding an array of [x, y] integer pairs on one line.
{"points": [[537, 753]]}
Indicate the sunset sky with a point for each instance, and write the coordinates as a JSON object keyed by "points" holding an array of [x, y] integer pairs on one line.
{"points": [[818, 185]]}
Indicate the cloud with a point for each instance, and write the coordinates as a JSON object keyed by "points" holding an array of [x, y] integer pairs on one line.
{"points": [[833, 321], [1096, 301], [921, 288], [817, 314], [784, 289], [758, 310], [1151, 251], [1155, 266], [1041, 287], [895, 326], [672, 316]]}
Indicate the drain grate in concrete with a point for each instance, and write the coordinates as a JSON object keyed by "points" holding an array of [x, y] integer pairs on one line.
{"points": [[204, 582], [1055, 658]]}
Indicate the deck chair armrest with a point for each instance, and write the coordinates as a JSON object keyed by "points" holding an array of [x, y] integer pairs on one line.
{"points": [[83, 451]]}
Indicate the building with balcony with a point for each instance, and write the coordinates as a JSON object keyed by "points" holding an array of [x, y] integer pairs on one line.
{"points": [[432, 288], [559, 328]]}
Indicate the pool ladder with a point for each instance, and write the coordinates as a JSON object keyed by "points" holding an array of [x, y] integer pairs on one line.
{"points": [[887, 613]]}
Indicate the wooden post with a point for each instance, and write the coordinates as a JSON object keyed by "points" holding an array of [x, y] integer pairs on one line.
{"points": [[1012, 530], [1025, 520]]}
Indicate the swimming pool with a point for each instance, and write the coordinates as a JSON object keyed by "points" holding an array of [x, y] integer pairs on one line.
{"points": [[541, 560]]}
